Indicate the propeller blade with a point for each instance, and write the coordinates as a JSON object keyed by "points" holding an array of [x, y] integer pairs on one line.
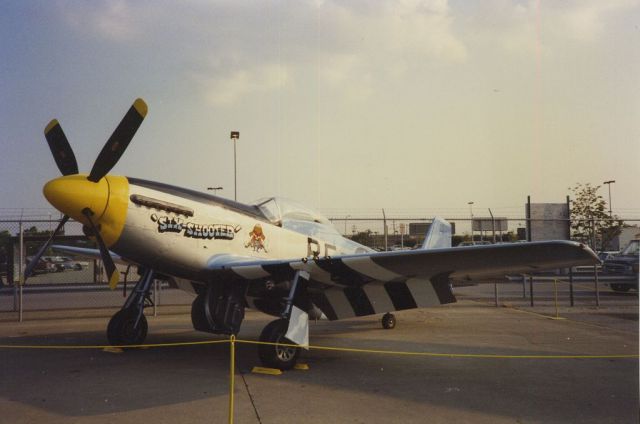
{"points": [[60, 148], [34, 261], [109, 266], [119, 140]]}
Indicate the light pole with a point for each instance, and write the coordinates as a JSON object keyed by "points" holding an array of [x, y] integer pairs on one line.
{"points": [[471, 213], [215, 190], [235, 135], [608, 183], [345, 224]]}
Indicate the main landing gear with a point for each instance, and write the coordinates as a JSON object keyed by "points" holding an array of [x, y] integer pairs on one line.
{"points": [[129, 326], [291, 329]]}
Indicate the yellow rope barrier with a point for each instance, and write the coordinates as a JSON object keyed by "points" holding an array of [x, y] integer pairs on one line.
{"points": [[446, 355], [232, 341], [140, 346]]}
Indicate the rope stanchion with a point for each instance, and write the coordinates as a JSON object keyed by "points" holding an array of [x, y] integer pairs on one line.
{"points": [[232, 374]]}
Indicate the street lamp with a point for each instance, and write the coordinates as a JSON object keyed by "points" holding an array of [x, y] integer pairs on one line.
{"points": [[471, 213], [235, 135], [214, 189], [608, 183]]}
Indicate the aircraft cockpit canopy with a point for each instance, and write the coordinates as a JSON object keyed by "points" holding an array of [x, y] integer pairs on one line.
{"points": [[280, 209]]}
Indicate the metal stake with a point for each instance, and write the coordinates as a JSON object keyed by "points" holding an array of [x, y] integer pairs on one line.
{"points": [[595, 275], [20, 272], [571, 286], [531, 289]]}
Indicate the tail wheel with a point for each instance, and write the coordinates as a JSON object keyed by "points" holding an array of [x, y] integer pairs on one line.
{"points": [[388, 321], [276, 356], [122, 329]]}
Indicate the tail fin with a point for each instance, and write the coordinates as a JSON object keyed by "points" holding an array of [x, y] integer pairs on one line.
{"points": [[439, 235]]}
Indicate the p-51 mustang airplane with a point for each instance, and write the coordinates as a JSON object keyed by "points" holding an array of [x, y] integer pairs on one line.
{"points": [[276, 256]]}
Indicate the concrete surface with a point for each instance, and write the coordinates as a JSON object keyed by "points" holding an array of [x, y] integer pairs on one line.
{"points": [[190, 383]]}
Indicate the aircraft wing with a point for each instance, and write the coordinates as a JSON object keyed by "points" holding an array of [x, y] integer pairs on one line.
{"points": [[88, 253], [371, 283], [469, 263]]}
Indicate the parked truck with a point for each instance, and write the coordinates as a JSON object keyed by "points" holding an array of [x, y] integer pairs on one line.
{"points": [[624, 264]]}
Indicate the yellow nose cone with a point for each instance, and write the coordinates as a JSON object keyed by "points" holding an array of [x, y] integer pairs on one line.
{"points": [[73, 193], [107, 199]]}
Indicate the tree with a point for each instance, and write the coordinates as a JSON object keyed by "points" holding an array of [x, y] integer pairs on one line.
{"points": [[363, 237], [590, 223]]}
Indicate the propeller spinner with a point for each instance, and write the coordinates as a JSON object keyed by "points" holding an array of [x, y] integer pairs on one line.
{"points": [[97, 200]]}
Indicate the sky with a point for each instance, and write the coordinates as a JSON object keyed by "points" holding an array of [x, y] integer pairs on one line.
{"points": [[347, 106]]}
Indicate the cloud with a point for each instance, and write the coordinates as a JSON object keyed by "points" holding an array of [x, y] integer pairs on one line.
{"points": [[531, 26], [585, 20], [113, 20], [230, 88], [351, 44]]}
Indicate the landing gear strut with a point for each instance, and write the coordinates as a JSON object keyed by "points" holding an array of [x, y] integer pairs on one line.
{"points": [[129, 326], [276, 355]]}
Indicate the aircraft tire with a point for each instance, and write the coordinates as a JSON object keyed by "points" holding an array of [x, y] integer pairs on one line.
{"points": [[198, 317], [121, 330], [272, 356], [388, 321]]}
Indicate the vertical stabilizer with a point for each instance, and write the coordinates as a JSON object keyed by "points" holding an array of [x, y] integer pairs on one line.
{"points": [[439, 235]]}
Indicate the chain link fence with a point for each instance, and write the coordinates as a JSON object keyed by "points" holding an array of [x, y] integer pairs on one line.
{"points": [[393, 233], [63, 282]]}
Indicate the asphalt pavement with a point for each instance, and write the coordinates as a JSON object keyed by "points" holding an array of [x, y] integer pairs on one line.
{"points": [[190, 383]]}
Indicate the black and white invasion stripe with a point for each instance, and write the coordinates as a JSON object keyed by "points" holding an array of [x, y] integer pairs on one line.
{"points": [[357, 286]]}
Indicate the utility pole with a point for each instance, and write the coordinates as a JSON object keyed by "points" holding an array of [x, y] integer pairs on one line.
{"points": [[608, 183], [235, 135], [471, 213]]}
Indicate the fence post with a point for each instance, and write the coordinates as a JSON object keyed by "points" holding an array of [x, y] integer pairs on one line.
{"points": [[571, 285], [20, 270], [155, 298], [595, 277], [555, 296]]}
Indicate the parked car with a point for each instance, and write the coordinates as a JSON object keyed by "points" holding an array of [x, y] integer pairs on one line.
{"points": [[57, 264], [69, 263], [43, 266], [62, 263], [624, 264], [474, 243], [607, 254]]}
